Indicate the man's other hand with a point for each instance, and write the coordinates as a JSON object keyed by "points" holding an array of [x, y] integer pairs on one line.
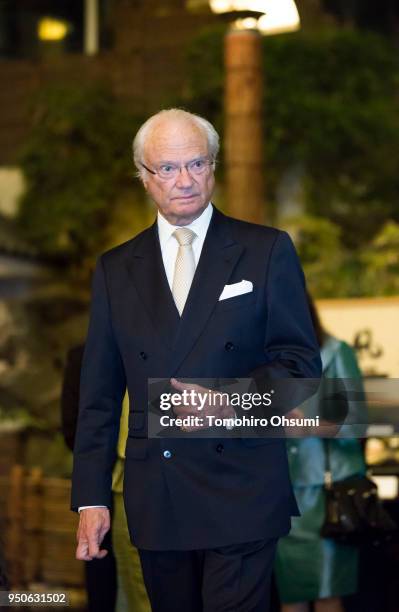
{"points": [[93, 525], [217, 406]]}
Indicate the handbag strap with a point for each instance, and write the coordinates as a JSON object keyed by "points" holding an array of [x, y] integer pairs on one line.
{"points": [[327, 464]]}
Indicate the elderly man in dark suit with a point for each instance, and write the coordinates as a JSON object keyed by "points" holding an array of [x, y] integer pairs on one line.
{"points": [[197, 295]]}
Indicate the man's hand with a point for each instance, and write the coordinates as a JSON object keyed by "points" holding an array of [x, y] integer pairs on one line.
{"points": [[217, 406], [93, 525]]}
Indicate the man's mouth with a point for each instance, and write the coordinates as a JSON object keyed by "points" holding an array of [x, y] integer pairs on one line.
{"points": [[186, 197]]}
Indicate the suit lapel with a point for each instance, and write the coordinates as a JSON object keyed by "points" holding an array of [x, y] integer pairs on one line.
{"points": [[148, 273], [219, 256]]}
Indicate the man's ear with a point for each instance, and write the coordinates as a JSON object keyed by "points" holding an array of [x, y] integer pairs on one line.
{"points": [[143, 176]]}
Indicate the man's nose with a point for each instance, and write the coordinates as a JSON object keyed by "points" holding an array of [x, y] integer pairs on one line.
{"points": [[184, 178]]}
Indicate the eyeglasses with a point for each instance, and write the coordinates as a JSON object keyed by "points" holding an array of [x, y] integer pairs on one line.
{"points": [[196, 167]]}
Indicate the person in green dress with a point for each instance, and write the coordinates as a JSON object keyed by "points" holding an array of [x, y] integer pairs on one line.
{"points": [[310, 568]]}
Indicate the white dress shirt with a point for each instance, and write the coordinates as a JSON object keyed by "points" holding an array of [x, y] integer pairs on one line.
{"points": [[169, 248]]}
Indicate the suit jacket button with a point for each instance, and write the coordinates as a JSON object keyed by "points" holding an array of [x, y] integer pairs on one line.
{"points": [[143, 355], [167, 454], [229, 346], [220, 448]]}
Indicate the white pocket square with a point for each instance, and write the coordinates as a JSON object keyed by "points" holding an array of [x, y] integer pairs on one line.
{"points": [[235, 289]]}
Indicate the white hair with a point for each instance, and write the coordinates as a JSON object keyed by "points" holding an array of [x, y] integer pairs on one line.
{"points": [[176, 114]]}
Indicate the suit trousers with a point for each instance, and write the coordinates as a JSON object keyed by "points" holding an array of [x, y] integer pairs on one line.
{"points": [[233, 578]]}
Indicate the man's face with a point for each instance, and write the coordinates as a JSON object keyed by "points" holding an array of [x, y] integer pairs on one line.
{"points": [[183, 198]]}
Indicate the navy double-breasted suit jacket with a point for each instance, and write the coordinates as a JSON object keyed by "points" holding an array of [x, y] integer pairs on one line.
{"points": [[209, 492]]}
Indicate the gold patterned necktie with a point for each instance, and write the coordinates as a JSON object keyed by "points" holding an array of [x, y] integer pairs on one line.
{"points": [[184, 267]]}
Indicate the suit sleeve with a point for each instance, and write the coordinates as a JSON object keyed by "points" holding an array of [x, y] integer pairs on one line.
{"points": [[102, 388], [70, 395], [290, 344]]}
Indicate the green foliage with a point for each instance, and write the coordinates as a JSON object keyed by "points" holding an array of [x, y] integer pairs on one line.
{"points": [[331, 103], [382, 262], [330, 269], [76, 163]]}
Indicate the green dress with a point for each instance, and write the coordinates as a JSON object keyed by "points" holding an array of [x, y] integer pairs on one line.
{"points": [[307, 566]]}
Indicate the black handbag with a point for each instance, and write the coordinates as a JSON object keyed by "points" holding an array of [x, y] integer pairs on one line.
{"points": [[354, 513]]}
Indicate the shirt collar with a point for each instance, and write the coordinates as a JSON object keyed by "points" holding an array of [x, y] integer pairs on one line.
{"points": [[199, 225]]}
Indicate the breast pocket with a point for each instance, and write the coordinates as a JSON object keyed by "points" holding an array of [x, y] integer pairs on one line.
{"points": [[238, 301]]}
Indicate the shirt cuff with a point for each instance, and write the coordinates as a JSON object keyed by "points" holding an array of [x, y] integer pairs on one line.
{"points": [[84, 507]]}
